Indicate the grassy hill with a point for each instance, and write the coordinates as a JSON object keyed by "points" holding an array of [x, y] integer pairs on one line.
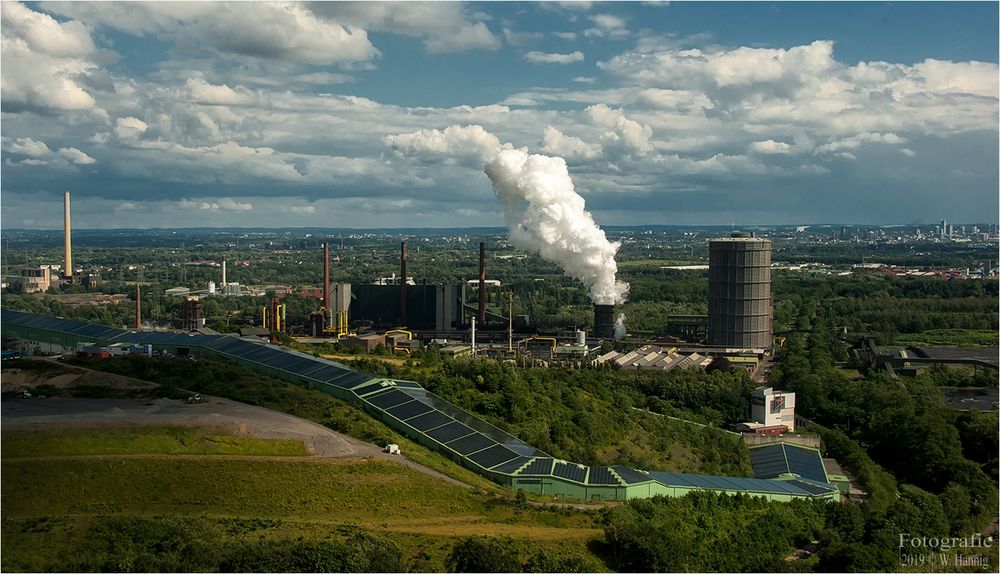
{"points": [[157, 511]]}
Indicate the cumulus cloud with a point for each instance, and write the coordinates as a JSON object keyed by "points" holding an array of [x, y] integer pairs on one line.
{"points": [[544, 58], [284, 31], [623, 133], [27, 146], [557, 143], [769, 147], [76, 156], [223, 204], [43, 61], [445, 27], [130, 128], [468, 142], [206, 93], [607, 25]]}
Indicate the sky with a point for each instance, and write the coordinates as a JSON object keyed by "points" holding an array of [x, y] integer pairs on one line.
{"points": [[380, 114]]}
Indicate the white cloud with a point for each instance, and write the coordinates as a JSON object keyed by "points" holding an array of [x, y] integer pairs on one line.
{"points": [[270, 30], [585, 79], [130, 128], [623, 133], [465, 142], [907, 152], [223, 204], [76, 156], [769, 147], [205, 93], [555, 142], [445, 27], [43, 61], [568, 36], [607, 25], [544, 58], [27, 146], [302, 209]]}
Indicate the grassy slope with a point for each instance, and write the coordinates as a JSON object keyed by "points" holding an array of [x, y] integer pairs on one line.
{"points": [[48, 504], [156, 440]]}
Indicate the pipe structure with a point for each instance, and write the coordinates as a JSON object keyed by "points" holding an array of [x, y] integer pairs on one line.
{"points": [[67, 241], [402, 285], [138, 307], [482, 283], [473, 336]]}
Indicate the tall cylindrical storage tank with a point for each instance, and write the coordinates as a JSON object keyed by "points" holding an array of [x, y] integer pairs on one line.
{"points": [[739, 292]]}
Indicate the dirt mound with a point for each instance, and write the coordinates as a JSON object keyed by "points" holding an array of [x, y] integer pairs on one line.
{"points": [[12, 380]]}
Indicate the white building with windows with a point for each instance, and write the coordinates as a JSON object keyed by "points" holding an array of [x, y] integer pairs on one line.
{"points": [[770, 407]]}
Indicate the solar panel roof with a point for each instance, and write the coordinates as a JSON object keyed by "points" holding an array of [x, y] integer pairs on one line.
{"points": [[327, 373], [388, 399], [409, 410], [768, 461], [492, 456], [601, 475], [570, 471], [506, 439], [538, 466], [427, 421], [630, 475], [512, 465], [449, 432], [305, 366], [805, 462], [96, 331], [471, 443], [350, 380]]}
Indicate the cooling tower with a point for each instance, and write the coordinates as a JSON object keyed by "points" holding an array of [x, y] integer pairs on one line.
{"points": [[739, 292], [604, 321]]}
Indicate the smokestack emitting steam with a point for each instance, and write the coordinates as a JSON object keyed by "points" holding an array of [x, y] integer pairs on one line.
{"points": [[544, 214], [482, 283], [68, 272], [402, 285]]}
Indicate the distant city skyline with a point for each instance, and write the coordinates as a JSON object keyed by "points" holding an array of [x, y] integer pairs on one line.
{"points": [[382, 115]]}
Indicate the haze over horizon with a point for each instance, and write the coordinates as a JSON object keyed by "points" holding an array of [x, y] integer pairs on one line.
{"points": [[383, 115]]}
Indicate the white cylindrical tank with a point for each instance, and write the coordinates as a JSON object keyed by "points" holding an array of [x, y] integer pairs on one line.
{"points": [[211, 287], [581, 337]]}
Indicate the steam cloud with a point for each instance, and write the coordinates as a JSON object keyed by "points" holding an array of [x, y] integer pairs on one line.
{"points": [[620, 327], [544, 214]]}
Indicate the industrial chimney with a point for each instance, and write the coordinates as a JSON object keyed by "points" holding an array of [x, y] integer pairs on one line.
{"points": [[402, 285], [604, 321], [138, 307], [68, 272], [482, 284], [224, 275], [327, 310]]}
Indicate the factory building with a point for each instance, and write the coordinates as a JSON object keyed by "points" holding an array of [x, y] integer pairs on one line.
{"points": [[739, 292], [35, 279], [772, 408]]}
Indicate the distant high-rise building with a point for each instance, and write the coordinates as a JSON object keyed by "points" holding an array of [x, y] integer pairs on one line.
{"points": [[739, 292], [944, 228]]}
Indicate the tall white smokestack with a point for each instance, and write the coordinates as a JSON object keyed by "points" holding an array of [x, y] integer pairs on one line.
{"points": [[224, 274], [544, 214], [67, 243]]}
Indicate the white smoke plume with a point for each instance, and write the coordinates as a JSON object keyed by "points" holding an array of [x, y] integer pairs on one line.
{"points": [[620, 327], [544, 214]]}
